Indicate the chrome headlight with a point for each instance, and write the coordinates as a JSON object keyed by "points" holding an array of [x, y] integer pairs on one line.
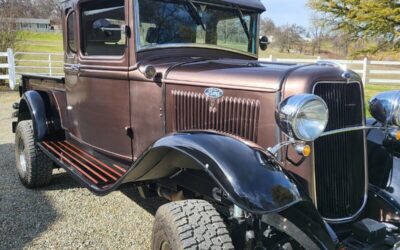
{"points": [[303, 117], [385, 107]]}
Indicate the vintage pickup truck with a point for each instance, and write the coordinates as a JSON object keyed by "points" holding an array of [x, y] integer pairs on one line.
{"points": [[169, 97]]}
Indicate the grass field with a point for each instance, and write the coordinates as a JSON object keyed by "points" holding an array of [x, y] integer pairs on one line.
{"points": [[41, 42]]}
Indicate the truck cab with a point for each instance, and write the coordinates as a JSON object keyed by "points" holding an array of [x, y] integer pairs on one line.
{"points": [[170, 97]]}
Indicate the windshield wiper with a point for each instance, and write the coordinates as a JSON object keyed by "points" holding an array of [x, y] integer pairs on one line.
{"points": [[243, 22], [195, 14]]}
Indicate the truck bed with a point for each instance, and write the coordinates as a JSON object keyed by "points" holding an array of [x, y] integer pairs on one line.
{"points": [[42, 82]]}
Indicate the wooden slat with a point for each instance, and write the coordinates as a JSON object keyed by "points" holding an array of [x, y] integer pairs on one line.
{"points": [[123, 170], [80, 162], [94, 159], [4, 77], [388, 72], [91, 163], [385, 81], [62, 157], [3, 65]]}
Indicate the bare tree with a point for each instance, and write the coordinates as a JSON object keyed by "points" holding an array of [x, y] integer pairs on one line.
{"points": [[318, 30], [268, 27], [9, 37], [47, 9], [290, 37]]}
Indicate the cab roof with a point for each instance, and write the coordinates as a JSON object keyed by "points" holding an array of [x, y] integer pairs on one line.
{"points": [[252, 4]]}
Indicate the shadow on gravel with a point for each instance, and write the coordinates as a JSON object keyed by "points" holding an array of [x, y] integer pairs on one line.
{"points": [[61, 181], [24, 213], [150, 205]]}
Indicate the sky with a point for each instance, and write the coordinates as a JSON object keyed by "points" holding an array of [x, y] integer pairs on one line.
{"points": [[288, 12]]}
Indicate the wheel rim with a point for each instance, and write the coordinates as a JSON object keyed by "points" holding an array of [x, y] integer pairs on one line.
{"points": [[165, 246], [22, 157]]}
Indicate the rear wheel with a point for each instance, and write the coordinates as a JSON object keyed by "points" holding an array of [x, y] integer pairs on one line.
{"points": [[189, 224], [34, 167]]}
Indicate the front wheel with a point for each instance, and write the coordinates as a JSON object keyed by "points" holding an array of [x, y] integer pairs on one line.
{"points": [[33, 166], [189, 224]]}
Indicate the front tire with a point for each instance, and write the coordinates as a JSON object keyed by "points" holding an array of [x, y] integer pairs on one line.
{"points": [[189, 224], [33, 166]]}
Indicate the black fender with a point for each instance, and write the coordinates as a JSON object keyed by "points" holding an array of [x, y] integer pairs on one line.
{"points": [[36, 106], [303, 223], [378, 137], [384, 177], [384, 204], [380, 155], [252, 179]]}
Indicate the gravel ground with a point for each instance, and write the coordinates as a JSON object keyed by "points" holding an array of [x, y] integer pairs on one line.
{"points": [[65, 215]]}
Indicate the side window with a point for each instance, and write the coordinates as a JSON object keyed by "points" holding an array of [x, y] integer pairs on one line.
{"points": [[103, 28], [71, 33]]}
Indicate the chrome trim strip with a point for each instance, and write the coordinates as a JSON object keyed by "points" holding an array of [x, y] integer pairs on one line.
{"points": [[278, 138], [363, 127], [351, 129]]}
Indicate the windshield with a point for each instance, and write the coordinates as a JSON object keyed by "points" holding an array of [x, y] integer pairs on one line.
{"points": [[165, 22]]}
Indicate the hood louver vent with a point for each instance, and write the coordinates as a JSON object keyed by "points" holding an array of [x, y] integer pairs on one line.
{"points": [[236, 116]]}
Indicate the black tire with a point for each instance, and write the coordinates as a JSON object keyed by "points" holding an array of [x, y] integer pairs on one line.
{"points": [[189, 224], [34, 167]]}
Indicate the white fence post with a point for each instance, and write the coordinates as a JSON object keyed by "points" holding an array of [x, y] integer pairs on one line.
{"points": [[50, 70], [365, 71], [11, 68], [271, 58]]}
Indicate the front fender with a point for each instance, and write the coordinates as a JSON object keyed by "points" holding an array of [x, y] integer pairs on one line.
{"points": [[380, 156], [304, 224], [251, 178]]}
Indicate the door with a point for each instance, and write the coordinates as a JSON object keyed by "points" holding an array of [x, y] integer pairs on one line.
{"points": [[98, 100]]}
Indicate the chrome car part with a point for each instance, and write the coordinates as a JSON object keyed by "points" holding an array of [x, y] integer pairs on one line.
{"points": [[302, 117], [385, 108]]}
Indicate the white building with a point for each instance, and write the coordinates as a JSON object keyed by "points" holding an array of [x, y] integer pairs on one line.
{"points": [[33, 24]]}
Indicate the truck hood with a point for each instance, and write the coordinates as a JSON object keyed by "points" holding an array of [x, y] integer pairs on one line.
{"points": [[230, 73]]}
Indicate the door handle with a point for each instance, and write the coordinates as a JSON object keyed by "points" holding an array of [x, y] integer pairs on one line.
{"points": [[76, 67]]}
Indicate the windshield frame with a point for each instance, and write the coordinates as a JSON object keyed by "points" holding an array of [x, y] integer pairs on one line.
{"points": [[139, 48]]}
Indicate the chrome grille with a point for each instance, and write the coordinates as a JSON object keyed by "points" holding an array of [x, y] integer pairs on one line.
{"points": [[236, 116], [340, 158]]}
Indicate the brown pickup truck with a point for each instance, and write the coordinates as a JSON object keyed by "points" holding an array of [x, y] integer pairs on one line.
{"points": [[169, 96]]}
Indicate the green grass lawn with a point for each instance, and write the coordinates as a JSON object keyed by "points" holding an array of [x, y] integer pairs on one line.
{"points": [[47, 42]]}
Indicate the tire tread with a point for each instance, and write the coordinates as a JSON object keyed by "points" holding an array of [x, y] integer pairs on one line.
{"points": [[39, 166], [192, 224]]}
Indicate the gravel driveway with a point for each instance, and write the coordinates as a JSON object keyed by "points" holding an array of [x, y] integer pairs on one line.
{"points": [[65, 215]]}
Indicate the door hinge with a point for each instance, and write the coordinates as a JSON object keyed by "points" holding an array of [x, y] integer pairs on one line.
{"points": [[129, 132]]}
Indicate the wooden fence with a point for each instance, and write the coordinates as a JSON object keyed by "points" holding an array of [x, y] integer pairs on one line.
{"points": [[9, 65], [372, 72]]}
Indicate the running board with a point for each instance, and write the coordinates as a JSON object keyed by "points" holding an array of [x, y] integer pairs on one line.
{"points": [[90, 171]]}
